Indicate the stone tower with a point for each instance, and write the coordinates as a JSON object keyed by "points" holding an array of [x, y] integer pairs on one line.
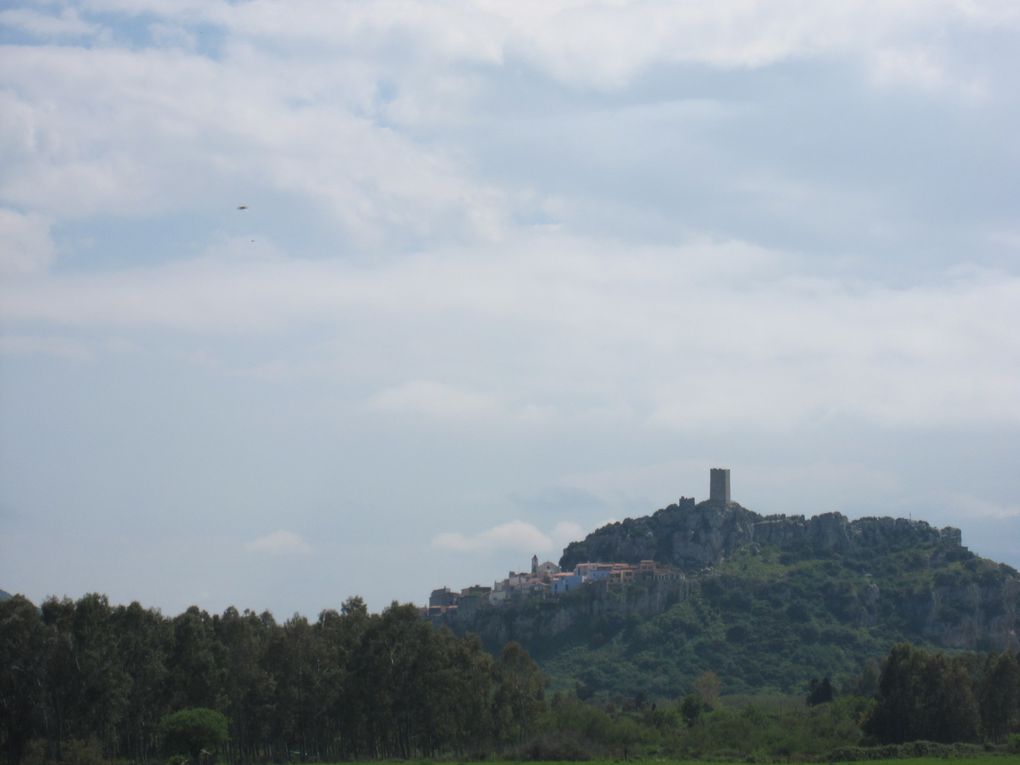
{"points": [[534, 565], [719, 485]]}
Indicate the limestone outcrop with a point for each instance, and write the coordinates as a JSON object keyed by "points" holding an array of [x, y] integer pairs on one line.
{"points": [[695, 537]]}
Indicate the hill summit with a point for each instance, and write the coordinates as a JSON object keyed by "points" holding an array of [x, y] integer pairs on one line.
{"points": [[695, 536], [767, 602]]}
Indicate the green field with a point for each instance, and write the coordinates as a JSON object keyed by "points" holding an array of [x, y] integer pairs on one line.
{"points": [[990, 759]]}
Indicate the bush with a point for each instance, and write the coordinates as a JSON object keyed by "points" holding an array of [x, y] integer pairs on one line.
{"points": [[36, 752], [554, 747], [908, 750], [81, 752], [190, 731]]}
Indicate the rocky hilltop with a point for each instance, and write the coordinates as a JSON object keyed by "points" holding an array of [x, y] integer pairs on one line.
{"points": [[767, 602], [694, 536]]}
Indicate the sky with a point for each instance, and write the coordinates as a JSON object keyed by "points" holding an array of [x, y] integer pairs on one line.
{"points": [[305, 300]]}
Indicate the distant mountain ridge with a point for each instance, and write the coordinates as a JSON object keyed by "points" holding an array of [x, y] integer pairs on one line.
{"points": [[768, 602]]}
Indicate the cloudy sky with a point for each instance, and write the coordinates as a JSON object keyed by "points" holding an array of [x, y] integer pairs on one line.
{"points": [[507, 270]]}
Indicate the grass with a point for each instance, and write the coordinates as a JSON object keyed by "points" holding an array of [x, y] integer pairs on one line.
{"points": [[989, 759]]}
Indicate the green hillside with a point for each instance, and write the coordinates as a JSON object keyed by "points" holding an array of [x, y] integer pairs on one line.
{"points": [[767, 603]]}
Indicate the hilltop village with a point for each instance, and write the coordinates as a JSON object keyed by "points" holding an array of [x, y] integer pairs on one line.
{"points": [[544, 580], [547, 579]]}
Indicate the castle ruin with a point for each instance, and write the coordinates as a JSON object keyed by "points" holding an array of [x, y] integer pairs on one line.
{"points": [[719, 485]]}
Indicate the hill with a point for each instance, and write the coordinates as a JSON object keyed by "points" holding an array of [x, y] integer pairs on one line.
{"points": [[766, 602]]}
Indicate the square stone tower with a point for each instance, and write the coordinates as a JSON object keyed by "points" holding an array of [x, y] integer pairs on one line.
{"points": [[719, 485]]}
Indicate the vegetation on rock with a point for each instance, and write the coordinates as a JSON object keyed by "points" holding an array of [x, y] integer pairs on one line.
{"points": [[768, 603]]}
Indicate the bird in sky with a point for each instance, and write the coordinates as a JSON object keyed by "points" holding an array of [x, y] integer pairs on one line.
{"points": [[242, 207]]}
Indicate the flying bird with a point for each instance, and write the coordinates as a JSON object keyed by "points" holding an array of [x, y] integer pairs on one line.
{"points": [[242, 207]]}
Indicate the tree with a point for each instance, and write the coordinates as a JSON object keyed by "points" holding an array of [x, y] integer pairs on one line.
{"points": [[247, 685], [691, 708], [520, 693], [22, 673], [820, 692], [62, 672], [293, 656], [899, 707], [141, 652], [952, 713], [999, 696], [189, 731], [625, 733], [707, 687], [104, 683], [196, 660], [923, 696]]}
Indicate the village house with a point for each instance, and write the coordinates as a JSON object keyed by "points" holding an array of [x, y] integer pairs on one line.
{"points": [[565, 582], [543, 580]]}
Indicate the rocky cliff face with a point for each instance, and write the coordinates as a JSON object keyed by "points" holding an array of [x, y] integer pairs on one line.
{"points": [[694, 537], [540, 623], [971, 616], [926, 581]]}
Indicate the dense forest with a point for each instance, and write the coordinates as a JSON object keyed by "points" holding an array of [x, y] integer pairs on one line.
{"points": [[350, 684], [85, 681]]}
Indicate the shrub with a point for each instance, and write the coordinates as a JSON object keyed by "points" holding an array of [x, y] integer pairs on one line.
{"points": [[1013, 743], [189, 731], [908, 750], [553, 747], [35, 753]]}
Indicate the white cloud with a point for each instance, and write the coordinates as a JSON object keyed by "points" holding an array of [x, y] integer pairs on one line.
{"points": [[68, 24], [566, 532], [114, 131], [966, 507], [117, 130], [172, 36], [51, 346], [25, 244], [449, 403], [1005, 238], [453, 204], [515, 536], [589, 42], [436, 400], [923, 69], [672, 338], [279, 543]]}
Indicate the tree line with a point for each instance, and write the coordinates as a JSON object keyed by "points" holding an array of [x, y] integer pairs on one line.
{"points": [[934, 697], [348, 685], [353, 685]]}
